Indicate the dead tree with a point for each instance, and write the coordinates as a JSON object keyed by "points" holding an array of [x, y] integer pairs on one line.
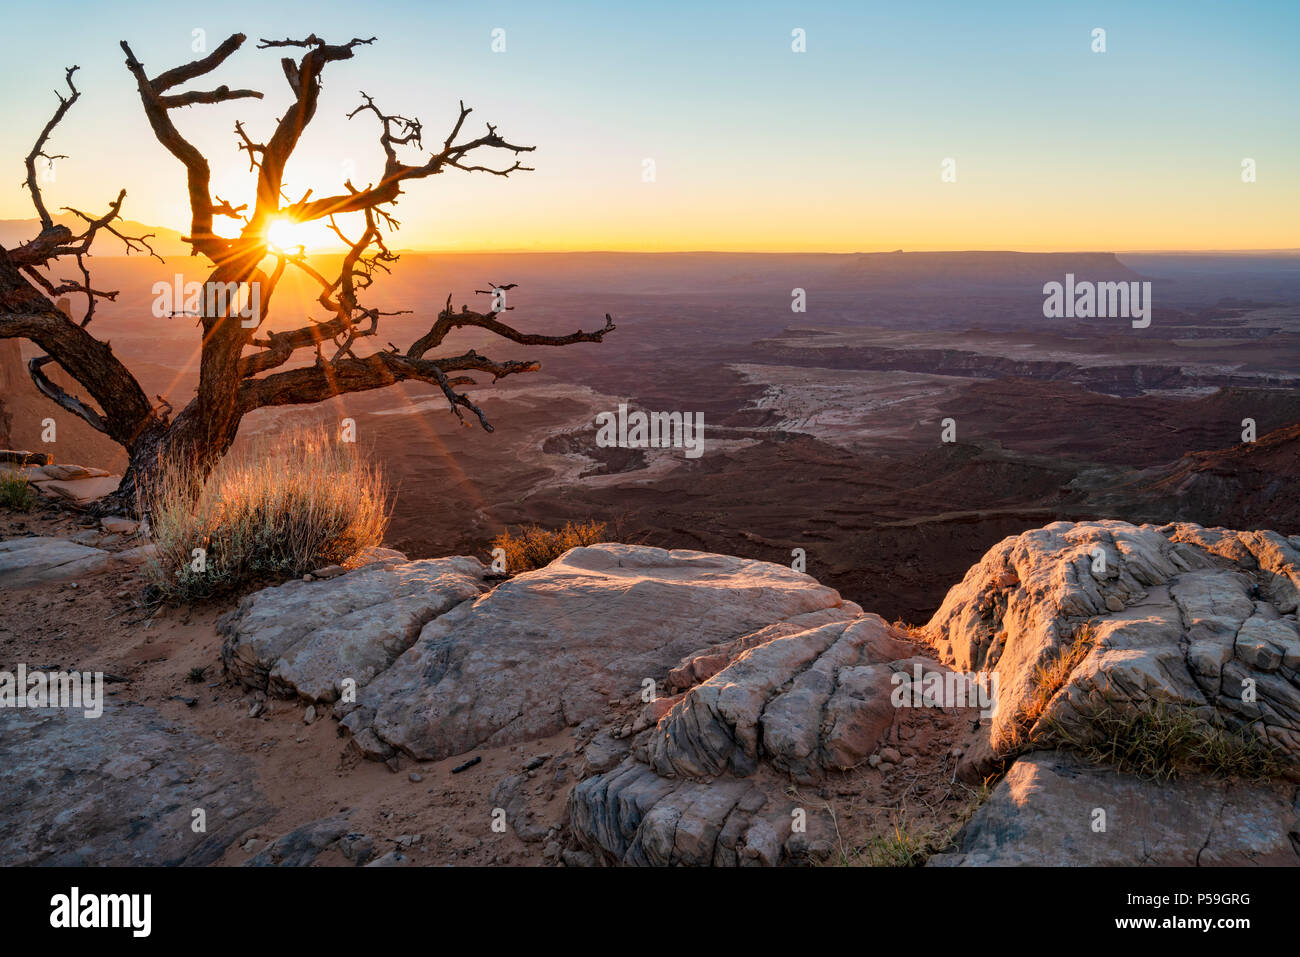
{"points": [[239, 355]]}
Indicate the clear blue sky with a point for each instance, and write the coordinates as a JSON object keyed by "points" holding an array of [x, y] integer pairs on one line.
{"points": [[754, 146]]}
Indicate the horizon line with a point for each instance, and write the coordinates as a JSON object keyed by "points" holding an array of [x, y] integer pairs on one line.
{"points": [[442, 251]]}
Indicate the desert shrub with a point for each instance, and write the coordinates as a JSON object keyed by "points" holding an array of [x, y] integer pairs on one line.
{"points": [[535, 547], [1162, 740], [15, 493], [270, 511]]}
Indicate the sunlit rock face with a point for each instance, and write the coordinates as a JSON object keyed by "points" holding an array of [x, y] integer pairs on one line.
{"points": [[709, 782], [308, 639], [705, 690], [1190, 617], [548, 648], [1051, 810]]}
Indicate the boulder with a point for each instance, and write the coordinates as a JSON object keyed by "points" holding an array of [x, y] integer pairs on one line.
{"points": [[1192, 618], [708, 785], [805, 699], [1051, 810], [31, 561], [304, 639], [546, 649]]}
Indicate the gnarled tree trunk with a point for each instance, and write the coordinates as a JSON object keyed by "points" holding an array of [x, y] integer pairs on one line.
{"points": [[233, 380]]}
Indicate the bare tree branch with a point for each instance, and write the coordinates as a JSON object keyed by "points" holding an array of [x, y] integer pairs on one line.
{"points": [[231, 382], [199, 174], [38, 150], [220, 95], [69, 402]]}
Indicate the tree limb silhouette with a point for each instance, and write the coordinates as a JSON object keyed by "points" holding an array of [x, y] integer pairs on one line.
{"points": [[232, 380]]}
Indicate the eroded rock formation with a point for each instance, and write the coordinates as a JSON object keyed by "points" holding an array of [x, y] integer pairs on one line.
{"points": [[1180, 615], [759, 681]]}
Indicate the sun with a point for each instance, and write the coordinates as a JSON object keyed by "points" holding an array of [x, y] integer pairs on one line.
{"points": [[286, 235]]}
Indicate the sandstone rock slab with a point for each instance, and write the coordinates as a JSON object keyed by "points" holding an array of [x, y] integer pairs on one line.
{"points": [[80, 491], [1046, 810], [708, 785], [71, 473], [304, 639], [1180, 615], [546, 649], [301, 846], [117, 790], [31, 561]]}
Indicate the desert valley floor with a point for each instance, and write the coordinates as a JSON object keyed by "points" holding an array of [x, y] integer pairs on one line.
{"points": [[823, 433]]}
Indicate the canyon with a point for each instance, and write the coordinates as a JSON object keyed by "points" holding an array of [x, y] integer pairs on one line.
{"points": [[681, 694], [823, 427]]}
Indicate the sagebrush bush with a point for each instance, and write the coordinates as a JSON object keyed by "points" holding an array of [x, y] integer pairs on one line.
{"points": [[15, 493], [535, 547], [272, 510]]}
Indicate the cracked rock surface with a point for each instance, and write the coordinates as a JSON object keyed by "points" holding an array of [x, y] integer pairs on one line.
{"points": [[125, 784], [1053, 811], [304, 639], [765, 682], [708, 783], [1192, 617], [546, 649]]}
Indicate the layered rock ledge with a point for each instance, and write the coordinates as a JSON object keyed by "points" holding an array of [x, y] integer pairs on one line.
{"points": [[755, 680], [1179, 616]]}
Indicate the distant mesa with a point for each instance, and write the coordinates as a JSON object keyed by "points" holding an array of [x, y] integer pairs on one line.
{"points": [[165, 242], [984, 266]]}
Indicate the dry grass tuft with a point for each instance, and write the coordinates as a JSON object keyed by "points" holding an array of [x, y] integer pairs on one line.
{"points": [[15, 493], [908, 844], [272, 511], [916, 633], [1163, 741], [1049, 678], [535, 547]]}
